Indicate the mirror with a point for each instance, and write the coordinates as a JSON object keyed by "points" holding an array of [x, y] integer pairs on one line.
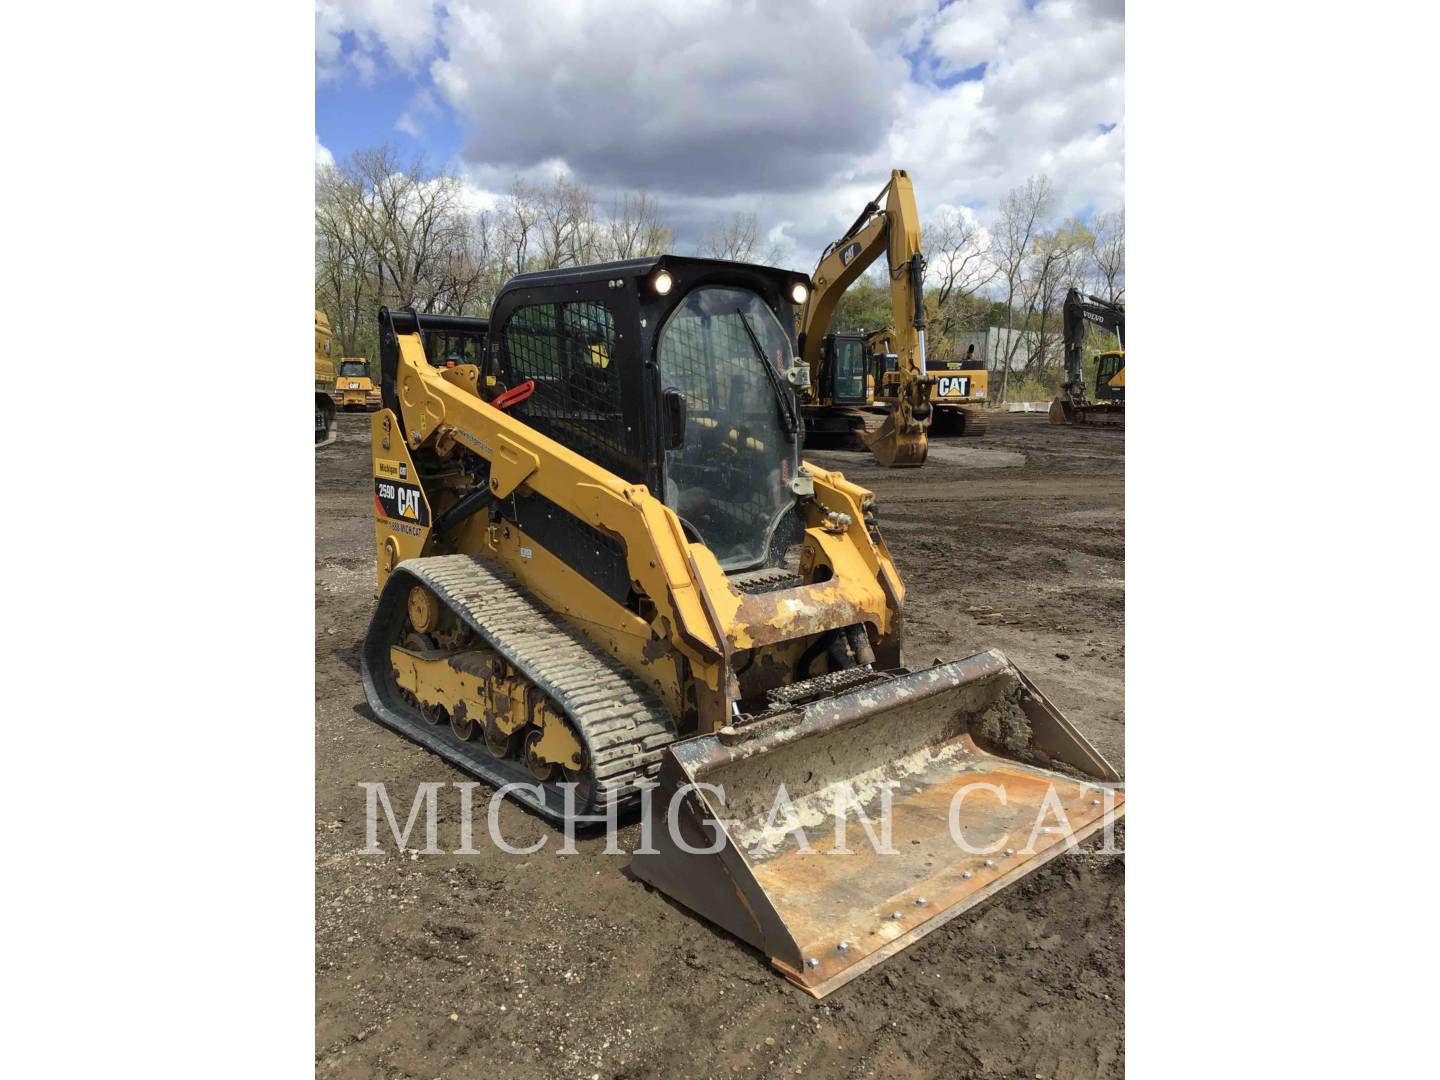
{"points": [[674, 410]]}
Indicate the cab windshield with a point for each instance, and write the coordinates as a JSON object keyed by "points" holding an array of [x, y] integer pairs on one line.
{"points": [[849, 369], [354, 369], [729, 480]]}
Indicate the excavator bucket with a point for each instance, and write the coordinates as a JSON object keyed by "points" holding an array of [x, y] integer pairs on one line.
{"points": [[895, 448], [832, 835]]}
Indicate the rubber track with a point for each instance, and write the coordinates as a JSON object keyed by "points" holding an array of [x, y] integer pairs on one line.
{"points": [[620, 720]]}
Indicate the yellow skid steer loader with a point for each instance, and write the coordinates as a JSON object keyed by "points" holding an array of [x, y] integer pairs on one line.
{"points": [[608, 579]]}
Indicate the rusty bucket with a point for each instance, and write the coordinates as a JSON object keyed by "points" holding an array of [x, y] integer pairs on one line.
{"points": [[895, 447], [833, 835]]}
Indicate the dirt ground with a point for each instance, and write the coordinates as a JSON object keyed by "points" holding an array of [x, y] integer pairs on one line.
{"points": [[551, 966]]}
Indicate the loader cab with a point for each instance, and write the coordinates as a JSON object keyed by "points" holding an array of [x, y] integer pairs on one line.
{"points": [[669, 372]]}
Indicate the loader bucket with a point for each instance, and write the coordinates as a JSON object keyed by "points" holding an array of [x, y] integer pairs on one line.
{"points": [[895, 448], [986, 782]]}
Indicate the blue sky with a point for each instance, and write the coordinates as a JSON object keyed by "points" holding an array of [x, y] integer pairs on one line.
{"points": [[795, 112]]}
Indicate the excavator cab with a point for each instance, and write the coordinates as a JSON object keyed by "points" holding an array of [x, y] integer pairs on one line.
{"points": [[842, 369], [1110, 377]]}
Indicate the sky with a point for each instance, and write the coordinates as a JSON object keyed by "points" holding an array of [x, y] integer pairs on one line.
{"points": [[794, 110]]}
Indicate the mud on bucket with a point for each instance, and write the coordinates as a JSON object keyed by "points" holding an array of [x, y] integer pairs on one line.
{"points": [[778, 830]]}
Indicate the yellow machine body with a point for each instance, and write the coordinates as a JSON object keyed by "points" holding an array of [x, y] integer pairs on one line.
{"points": [[892, 230], [541, 617], [324, 381], [353, 387]]}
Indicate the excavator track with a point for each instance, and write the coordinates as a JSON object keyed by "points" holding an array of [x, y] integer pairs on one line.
{"points": [[621, 723], [976, 423], [956, 421]]}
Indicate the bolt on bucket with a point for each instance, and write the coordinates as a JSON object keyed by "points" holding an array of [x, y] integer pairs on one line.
{"points": [[833, 835]]}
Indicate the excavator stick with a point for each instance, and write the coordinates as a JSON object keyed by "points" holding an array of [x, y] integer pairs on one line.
{"points": [[985, 782]]}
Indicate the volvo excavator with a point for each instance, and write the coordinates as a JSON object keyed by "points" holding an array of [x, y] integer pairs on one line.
{"points": [[609, 583], [913, 393], [1073, 406]]}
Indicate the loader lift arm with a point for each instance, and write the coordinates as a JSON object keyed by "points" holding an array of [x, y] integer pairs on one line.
{"points": [[888, 224]]}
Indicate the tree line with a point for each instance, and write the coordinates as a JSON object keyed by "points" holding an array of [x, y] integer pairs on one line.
{"points": [[393, 233]]}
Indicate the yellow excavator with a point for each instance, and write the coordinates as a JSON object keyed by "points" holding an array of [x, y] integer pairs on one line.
{"points": [[609, 583], [849, 372], [958, 387], [893, 229], [324, 379]]}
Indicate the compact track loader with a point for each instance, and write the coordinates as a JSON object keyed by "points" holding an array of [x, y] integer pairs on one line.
{"points": [[607, 578]]}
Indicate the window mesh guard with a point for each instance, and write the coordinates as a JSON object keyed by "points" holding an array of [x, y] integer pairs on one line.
{"points": [[567, 349]]}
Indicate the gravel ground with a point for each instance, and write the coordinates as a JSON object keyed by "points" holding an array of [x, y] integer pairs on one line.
{"points": [[546, 966]]}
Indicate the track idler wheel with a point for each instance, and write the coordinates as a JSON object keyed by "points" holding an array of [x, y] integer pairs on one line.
{"points": [[499, 743], [463, 724], [539, 768]]}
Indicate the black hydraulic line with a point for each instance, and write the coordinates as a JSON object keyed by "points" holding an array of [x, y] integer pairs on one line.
{"points": [[468, 504]]}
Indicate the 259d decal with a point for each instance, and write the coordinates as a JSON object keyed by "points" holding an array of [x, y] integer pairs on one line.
{"points": [[403, 502]]}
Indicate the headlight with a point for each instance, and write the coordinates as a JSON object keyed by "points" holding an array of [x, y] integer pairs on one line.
{"points": [[798, 292], [662, 282]]}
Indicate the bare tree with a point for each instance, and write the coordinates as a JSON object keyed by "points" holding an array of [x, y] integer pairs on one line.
{"points": [[1108, 253], [567, 224], [519, 221], [733, 238], [957, 265], [635, 227], [1056, 262], [1021, 218], [397, 235]]}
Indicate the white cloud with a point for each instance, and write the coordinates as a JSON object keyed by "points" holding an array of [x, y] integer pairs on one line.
{"points": [[360, 33], [411, 121], [795, 112], [967, 33], [323, 157]]}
